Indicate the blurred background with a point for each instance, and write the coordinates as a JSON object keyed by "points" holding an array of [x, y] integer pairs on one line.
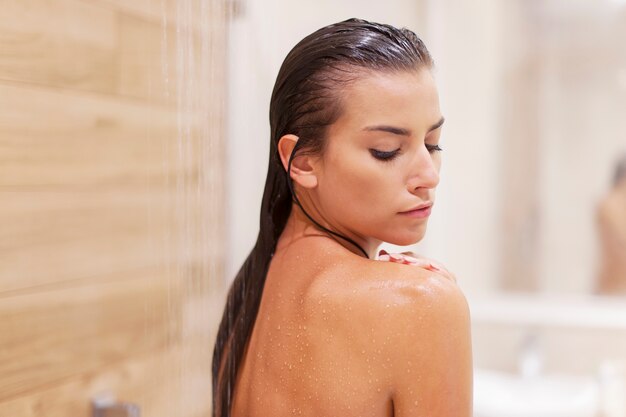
{"points": [[134, 140]]}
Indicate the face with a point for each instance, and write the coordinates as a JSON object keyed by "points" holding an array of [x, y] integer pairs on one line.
{"points": [[382, 158]]}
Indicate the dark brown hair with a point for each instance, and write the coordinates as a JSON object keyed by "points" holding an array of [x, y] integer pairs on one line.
{"points": [[306, 100]]}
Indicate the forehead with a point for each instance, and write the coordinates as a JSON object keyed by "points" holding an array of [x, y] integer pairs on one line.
{"points": [[407, 99]]}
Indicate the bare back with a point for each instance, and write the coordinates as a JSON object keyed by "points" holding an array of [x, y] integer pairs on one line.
{"points": [[340, 335]]}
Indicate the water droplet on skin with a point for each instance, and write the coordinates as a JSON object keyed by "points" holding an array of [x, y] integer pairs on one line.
{"points": [[415, 403], [278, 327], [324, 311], [363, 351]]}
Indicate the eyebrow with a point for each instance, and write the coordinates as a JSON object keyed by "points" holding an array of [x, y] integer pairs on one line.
{"points": [[399, 130]]}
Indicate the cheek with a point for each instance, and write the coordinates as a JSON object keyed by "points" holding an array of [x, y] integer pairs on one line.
{"points": [[361, 189]]}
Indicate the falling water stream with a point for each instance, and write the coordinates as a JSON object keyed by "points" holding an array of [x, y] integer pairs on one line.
{"points": [[193, 69]]}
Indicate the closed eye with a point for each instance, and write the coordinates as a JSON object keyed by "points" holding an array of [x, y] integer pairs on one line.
{"points": [[384, 156], [433, 148]]}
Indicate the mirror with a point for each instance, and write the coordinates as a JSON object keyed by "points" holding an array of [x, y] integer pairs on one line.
{"points": [[563, 132]]}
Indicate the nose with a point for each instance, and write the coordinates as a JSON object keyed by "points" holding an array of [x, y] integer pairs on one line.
{"points": [[424, 172]]}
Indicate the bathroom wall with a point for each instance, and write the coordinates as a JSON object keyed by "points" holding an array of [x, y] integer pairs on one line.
{"points": [[110, 203]]}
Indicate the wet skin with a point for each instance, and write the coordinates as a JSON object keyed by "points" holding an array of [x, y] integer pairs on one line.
{"points": [[338, 334]]}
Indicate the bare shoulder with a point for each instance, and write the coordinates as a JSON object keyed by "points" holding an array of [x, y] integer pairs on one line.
{"points": [[412, 326], [400, 296]]}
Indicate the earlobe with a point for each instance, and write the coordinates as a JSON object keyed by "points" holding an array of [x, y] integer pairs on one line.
{"points": [[301, 170]]}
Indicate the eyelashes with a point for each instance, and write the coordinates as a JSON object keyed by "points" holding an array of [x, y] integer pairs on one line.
{"points": [[433, 148], [384, 156], [389, 156]]}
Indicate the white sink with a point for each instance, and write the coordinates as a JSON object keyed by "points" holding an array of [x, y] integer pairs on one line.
{"points": [[499, 394]]}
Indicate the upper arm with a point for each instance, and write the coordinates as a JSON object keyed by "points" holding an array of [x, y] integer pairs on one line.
{"points": [[430, 347]]}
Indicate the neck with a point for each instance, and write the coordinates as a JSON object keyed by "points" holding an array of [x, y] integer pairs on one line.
{"points": [[300, 226]]}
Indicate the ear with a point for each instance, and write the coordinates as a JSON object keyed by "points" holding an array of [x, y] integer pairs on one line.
{"points": [[302, 168]]}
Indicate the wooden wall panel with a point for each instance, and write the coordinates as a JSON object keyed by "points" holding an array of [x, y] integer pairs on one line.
{"points": [[111, 154], [168, 12], [59, 43], [91, 46], [101, 322], [155, 10], [54, 237], [89, 140], [151, 379], [142, 71]]}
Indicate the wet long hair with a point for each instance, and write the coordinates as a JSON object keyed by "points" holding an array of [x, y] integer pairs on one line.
{"points": [[305, 101]]}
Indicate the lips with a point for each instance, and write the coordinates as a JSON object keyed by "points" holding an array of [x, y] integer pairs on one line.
{"points": [[420, 212], [420, 207]]}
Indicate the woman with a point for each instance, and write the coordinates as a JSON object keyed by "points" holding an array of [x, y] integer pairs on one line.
{"points": [[313, 325], [611, 223]]}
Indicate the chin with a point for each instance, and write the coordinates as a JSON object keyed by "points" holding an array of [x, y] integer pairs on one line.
{"points": [[406, 239]]}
